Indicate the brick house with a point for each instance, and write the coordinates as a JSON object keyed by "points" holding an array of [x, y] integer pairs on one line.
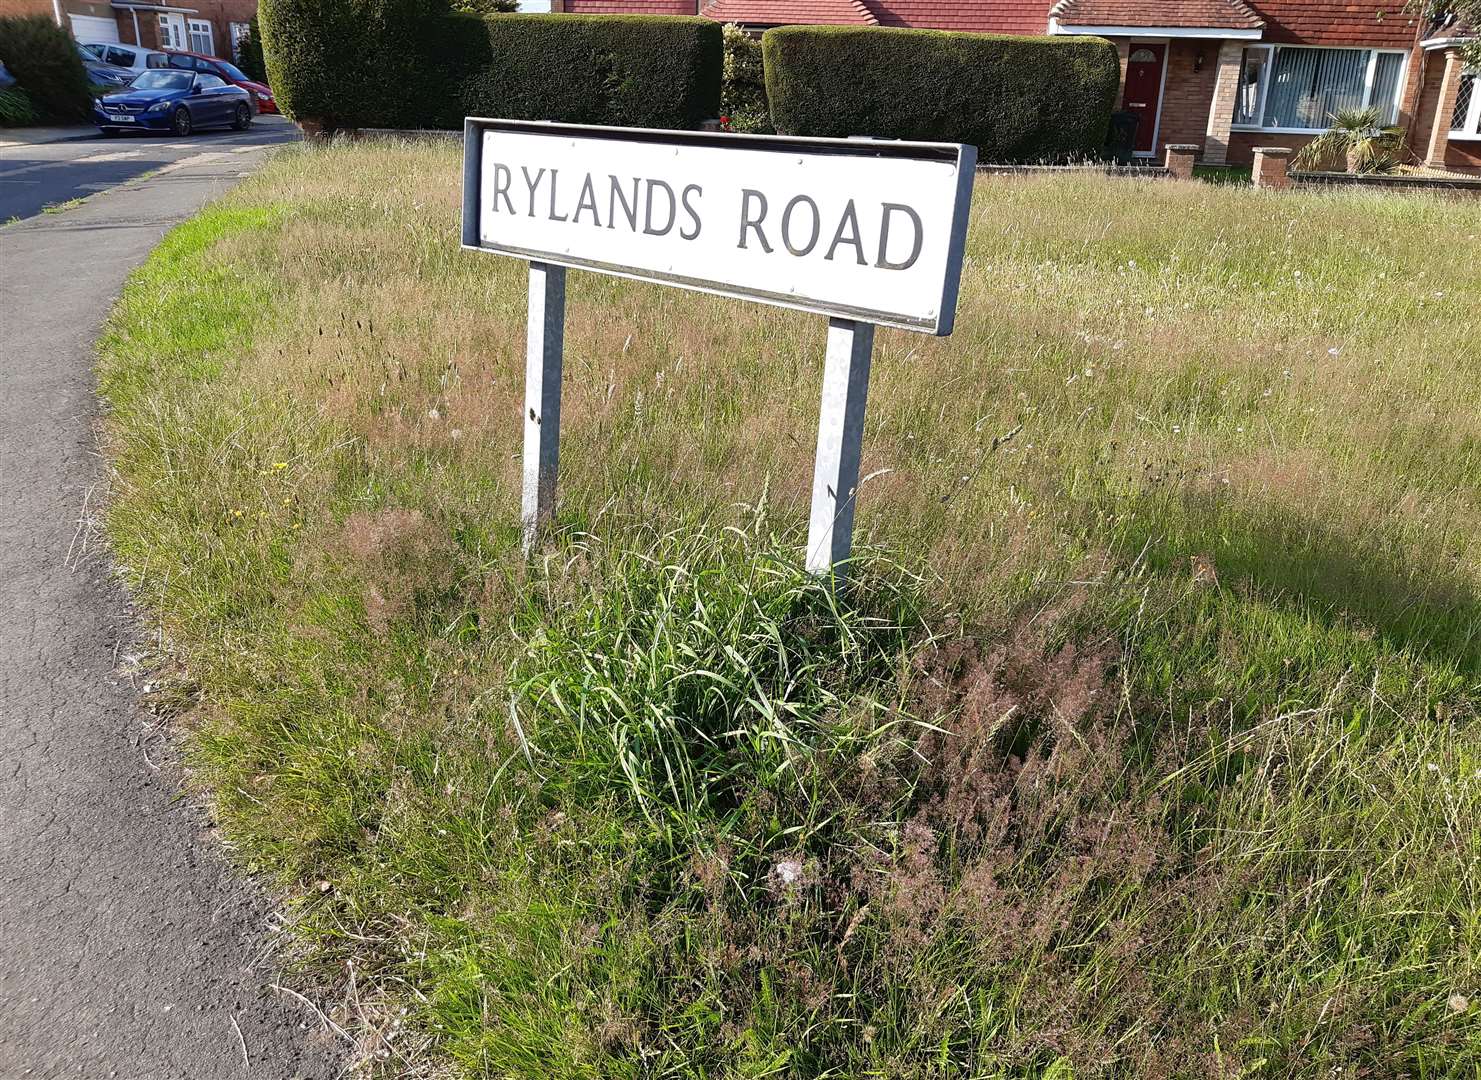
{"points": [[1225, 75], [212, 27]]}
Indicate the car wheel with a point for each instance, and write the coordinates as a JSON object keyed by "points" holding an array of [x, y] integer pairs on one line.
{"points": [[243, 118], [181, 122]]}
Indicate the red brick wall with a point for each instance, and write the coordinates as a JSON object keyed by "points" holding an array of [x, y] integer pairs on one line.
{"points": [[10, 9], [1189, 92], [1463, 155], [1242, 144], [219, 13], [1379, 23]]}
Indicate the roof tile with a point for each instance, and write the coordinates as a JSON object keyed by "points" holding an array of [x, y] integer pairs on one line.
{"points": [[1220, 14], [783, 12]]}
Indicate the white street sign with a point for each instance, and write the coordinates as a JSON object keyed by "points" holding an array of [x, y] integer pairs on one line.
{"points": [[857, 229], [864, 231]]}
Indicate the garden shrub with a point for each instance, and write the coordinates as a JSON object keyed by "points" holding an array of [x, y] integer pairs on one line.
{"points": [[16, 109], [43, 58], [622, 70], [408, 63], [743, 84], [347, 63], [249, 53], [1017, 99]]}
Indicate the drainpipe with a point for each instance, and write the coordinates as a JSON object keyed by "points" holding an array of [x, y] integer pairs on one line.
{"points": [[56, 12], [137, 39]]}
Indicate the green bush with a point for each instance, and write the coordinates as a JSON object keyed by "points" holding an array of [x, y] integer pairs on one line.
{"points": [[1017, 99], [43, 58], [743, 83], [380, 63], [622, 70], [249, 53], [16, 109], [348, 63]]}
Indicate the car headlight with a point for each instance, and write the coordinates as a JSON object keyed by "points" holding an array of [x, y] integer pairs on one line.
{"points": [[159, 106], [263, 97]]}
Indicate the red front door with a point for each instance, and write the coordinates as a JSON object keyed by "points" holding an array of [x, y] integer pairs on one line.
{"points": [[1144, 92]]}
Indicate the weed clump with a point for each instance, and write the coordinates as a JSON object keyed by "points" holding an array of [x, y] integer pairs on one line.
{"points": [[837, 824]]}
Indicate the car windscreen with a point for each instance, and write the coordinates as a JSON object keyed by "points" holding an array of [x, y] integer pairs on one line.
{"points": [[232, 71], [163, 80]]}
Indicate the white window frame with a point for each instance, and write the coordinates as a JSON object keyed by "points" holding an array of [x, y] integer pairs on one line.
{"points": [[204, 27], [238, 31], [1470, 128], [1269, 51], [171, 25]]}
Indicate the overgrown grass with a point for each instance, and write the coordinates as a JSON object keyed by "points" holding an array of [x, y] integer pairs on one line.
{"points": [[1145, 748]]}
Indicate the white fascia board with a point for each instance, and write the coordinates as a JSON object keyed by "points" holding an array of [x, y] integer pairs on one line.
{"points": [[1443, 42], [122, 5], [1210, 32]]}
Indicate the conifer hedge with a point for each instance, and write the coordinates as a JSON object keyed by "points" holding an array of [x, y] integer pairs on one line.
{"points": [[1017, 99]]}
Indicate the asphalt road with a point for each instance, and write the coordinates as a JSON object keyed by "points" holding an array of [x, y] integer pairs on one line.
{"points": [[35, 177], [128, 948]]}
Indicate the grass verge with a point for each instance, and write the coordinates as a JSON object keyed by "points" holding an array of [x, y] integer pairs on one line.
{"points": [[1146, 747]]}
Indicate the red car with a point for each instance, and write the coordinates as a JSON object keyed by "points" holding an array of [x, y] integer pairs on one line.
{"points": [[227, 72]]}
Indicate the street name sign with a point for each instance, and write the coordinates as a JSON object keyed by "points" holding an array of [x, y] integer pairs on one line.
{"points": [[866, 232]]}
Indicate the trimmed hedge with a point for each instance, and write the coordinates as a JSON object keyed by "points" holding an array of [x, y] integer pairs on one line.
{"points": [[394, 63], [1017, 99], [44, 60], [347, 63], [620, 70]]}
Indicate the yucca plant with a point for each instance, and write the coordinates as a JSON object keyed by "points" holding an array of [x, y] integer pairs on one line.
{"points": [[1358, 139]]}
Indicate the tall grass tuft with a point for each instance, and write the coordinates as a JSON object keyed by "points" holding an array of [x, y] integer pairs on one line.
{"points": [[712, 667]]}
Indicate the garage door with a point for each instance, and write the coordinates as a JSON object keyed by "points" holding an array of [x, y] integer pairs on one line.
{"points": [[94, 28]]}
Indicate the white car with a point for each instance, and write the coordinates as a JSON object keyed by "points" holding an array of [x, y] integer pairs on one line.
{"points": [[126, 56]]}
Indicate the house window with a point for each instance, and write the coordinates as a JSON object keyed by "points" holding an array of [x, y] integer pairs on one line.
{"points": [[1465, 121], [1295, 88], [239, 30], [171, 32], [200, 38]]}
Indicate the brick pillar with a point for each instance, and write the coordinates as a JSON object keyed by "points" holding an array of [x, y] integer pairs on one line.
{"points": [[1180, 160], [1221, 108], [1270, 167], [1439, 141]]}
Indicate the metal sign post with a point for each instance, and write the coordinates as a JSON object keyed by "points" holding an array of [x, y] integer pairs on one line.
{"points": [[835, 482], [544, 341], [866, 232]]}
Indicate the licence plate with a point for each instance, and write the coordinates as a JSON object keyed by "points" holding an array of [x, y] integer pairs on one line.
{"points": [[120, 118]]}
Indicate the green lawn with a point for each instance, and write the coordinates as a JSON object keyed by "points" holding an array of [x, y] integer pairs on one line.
{"points": [[1145, 747]]}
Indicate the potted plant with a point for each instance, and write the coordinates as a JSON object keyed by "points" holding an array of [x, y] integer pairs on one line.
{"points": [[1358, 139]]}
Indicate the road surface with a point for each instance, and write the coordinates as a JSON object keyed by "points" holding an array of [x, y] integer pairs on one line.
{"points": [[52, 174], [127, 947]]}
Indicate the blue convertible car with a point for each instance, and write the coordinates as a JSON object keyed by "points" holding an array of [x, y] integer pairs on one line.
{"points": [[163, 99]]}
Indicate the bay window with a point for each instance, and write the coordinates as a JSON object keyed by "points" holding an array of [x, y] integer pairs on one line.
{"points": [[1465, 119], [1297, 88]]}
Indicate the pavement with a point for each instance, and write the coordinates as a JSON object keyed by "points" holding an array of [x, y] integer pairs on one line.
{"points": [[128, 947], [34, 136]]}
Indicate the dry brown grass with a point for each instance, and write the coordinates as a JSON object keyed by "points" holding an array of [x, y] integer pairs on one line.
{"points": [[1194, 492]]}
